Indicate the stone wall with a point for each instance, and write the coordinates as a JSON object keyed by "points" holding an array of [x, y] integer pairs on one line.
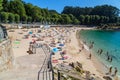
{"points": [[6, 55]]}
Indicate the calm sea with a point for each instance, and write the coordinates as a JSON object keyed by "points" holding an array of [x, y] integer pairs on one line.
{"points": [[106, 40]]}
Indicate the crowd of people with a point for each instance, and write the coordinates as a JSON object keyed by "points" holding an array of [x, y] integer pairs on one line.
{"points": [[112, 70]]}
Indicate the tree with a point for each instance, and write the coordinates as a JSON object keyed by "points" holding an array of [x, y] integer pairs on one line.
{"points": [[11, 17], [87, 19], [97, 19], [105, 10], [5, 5], [17, 18], [76, 21], [53, 12], [24, 18], [77, 11], [82, 19], [17, 7], [72, 18], [28, 9], [29, 19], [4, 17], [36, 12], [45, 13], [1, 4], [66, 19]]}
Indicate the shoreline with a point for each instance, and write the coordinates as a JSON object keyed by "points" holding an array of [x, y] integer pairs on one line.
{"points": [[100, 66], [94, 59], [82, 57]]}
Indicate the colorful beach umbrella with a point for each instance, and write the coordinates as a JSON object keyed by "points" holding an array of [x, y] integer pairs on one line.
{"points": [[55, 50]]}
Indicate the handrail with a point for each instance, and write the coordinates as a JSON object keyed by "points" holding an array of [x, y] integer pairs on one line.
{"points": [[41, 67], [49, 64], [51, 67]]}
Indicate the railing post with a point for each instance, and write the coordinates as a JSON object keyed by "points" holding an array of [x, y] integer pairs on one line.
{"points": [[58, 75]]}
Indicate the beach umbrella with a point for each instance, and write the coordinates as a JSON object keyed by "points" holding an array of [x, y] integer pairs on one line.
{"points": [[55, 50], [61, 44], [30, 32]]}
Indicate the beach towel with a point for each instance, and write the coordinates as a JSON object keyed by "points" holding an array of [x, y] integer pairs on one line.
{"points": [[16, 42], [61, 44]]}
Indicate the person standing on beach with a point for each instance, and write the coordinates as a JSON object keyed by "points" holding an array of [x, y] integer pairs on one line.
{"points": [[107, 53], [98, 51], [110, 70], [111, 59], [101, 51], [115, 72], [108, 58], [79, 50], [82, 46], [90, 56]]}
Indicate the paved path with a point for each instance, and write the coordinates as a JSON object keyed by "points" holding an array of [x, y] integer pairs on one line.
{"points": [[27, 67]]}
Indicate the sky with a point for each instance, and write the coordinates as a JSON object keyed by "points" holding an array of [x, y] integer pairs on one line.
{"points": [[59, 5]]}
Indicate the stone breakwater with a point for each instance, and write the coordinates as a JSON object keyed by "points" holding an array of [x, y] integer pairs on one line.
{"points": [[6, 55]]}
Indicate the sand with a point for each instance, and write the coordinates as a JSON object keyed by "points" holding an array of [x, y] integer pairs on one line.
{"points": [[72, 49], [83, 56]]}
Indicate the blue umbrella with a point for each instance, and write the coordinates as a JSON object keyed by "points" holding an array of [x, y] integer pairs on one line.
{"points": [[30, 32], [55, 50], [61, 44]]}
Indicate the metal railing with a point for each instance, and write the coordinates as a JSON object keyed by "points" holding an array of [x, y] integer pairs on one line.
{"points": [[46, 69]]}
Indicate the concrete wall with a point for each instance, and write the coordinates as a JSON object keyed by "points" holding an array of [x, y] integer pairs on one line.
{"points": [[6, 55]]}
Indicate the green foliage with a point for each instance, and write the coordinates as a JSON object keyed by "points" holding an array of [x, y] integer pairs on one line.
{"points": [[4, 17], [24, 18], [1, 4], [76, 22], [29, 19], [94, 16], [20, 11], [36, 12], [28, 9], [77, 11], [17, 18], [105, 10], [17, 7], [87, 19], [11, 17], [81, 19], [66, 19], [5, 5]]}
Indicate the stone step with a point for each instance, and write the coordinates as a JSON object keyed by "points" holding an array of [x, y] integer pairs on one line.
{"points": [[27, 68], [25, 75]]}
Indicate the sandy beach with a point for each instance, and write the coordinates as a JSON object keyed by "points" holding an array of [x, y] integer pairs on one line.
{"points": [[82, 57], [72, 47]]}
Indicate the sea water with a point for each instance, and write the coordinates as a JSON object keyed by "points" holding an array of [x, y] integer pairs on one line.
{"points": [[106, 40]]}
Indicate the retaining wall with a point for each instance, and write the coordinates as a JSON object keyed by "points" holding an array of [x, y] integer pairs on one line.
{"points": [[6, 55]]}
